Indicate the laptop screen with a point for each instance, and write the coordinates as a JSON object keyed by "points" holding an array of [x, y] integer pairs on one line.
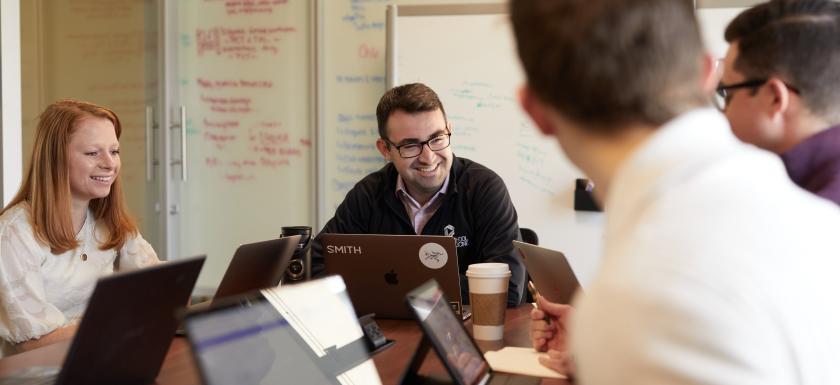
{"points": [[447, 334], [250, 343]]}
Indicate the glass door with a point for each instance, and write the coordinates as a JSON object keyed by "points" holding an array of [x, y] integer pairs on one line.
{"points": [[107, 55], [239, 108]]}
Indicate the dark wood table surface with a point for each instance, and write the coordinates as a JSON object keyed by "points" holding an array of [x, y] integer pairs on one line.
{"points": [[179, 368]]}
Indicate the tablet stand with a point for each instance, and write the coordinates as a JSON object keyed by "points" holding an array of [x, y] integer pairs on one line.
{"points": [[411, 375], [376, 340]]}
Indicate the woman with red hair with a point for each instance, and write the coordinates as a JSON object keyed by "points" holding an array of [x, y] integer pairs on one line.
{"points": [[67, 226]]}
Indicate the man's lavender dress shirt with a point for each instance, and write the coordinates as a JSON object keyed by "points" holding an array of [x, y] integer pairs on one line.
{"points": [[814, 164]]}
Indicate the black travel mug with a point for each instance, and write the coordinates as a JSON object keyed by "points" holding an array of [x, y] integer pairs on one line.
{"points": [[300, 267]]}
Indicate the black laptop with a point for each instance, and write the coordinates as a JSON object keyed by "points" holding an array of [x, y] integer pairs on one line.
{"points": [[126, 329], [257, 265], [454, 346]]}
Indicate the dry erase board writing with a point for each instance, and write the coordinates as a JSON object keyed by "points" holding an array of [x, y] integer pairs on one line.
{"points": [[352, 69], [242, 75], [477, 84]]}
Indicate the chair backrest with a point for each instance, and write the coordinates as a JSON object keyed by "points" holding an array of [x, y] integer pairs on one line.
{"points": [[529, 236]]}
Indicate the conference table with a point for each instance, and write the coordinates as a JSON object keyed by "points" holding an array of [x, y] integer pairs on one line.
{"points": [[179, 367]]}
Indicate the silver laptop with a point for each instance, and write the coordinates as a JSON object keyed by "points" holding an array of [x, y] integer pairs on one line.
{"points": [[379, 270], [550, 271], [244, 340]]}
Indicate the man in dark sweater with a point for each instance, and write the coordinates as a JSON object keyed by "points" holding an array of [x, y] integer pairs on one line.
{"points": [[425, 189], [781, 87]]}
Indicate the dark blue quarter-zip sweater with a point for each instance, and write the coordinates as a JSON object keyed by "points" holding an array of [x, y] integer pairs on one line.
{"points": [[476, 210]]}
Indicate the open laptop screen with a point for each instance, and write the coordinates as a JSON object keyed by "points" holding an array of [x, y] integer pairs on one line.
{"points": [[447, 334], [250, 343]]}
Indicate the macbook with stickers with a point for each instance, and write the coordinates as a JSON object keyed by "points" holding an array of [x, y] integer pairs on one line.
{"points": [[380, 269]]}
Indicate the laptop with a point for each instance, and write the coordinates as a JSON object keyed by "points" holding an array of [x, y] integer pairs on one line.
{"points": [[454, 346], [245, 340], [126, 329], [550, 271], [249, 340], [256, 266], [380, 269]]}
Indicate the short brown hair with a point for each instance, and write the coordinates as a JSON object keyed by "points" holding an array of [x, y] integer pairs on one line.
{"points": [[604, 63], [797, 41], [46, 187], [411, 98]]}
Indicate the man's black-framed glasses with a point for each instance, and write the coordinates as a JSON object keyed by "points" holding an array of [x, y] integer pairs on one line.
{"points": [[413, 150], [724, 92]]}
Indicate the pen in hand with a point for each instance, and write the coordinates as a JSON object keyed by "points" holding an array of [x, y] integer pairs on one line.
{"points": [[536, 295]]}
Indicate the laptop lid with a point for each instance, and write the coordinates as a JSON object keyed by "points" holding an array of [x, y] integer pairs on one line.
{"points": [[281, 335], [380, 269], [246, 341], [257, 265], [550, 271], [128, 324]]}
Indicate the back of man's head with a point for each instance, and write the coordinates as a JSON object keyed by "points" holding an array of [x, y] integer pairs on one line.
{"points": [[797, 41], [606, 63]]}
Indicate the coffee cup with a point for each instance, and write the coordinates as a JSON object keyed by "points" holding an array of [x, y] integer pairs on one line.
{"points": [[488, 283]]}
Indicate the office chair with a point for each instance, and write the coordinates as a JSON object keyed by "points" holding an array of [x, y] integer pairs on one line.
{"points": [[529, 236]]}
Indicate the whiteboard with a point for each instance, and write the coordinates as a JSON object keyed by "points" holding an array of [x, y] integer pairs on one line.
{"points": [[351, 78], [467, 55]]}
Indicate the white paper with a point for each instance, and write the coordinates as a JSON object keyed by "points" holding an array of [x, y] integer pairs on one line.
{"points": [[518, 360]]}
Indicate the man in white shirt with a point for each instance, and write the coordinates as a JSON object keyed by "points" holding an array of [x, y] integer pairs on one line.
{"points": [[717, 269]]}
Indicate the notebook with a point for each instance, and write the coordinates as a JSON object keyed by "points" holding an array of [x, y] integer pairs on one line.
{"points": [[126, 329], [380, 269]]}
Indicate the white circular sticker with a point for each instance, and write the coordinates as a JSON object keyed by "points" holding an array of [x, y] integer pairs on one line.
{"points": [[433, 256]]}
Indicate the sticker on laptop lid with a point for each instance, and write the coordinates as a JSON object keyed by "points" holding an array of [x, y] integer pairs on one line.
{"points": [[433, 256]]}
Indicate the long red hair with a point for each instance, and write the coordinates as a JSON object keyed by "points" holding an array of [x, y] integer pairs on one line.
{"points": [[46, 187]]}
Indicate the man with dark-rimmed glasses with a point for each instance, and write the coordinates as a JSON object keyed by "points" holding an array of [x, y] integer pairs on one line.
{"points": [[425, 189], [713, 260], [781, 87]]}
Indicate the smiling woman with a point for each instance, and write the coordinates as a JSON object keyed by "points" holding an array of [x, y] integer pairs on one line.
{"points": [[66, 227]]}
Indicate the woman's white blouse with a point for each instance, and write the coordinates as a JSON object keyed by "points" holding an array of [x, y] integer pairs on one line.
{"points": [[40, 291]]}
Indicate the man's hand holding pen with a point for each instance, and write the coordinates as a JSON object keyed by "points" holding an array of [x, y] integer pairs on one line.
{"points": [[549, 333]]}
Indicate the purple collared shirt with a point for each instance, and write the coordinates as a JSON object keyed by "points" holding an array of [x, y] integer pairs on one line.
{"points": [[814, 164], [420, 214]]}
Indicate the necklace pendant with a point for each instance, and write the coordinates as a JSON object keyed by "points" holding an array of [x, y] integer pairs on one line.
{"points": [[84, 256]]}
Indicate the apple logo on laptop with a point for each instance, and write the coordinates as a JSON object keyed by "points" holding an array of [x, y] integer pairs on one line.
{"points": [[391, 278]]}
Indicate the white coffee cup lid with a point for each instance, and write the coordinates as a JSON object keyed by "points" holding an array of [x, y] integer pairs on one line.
{"points": [[489, 269]]}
